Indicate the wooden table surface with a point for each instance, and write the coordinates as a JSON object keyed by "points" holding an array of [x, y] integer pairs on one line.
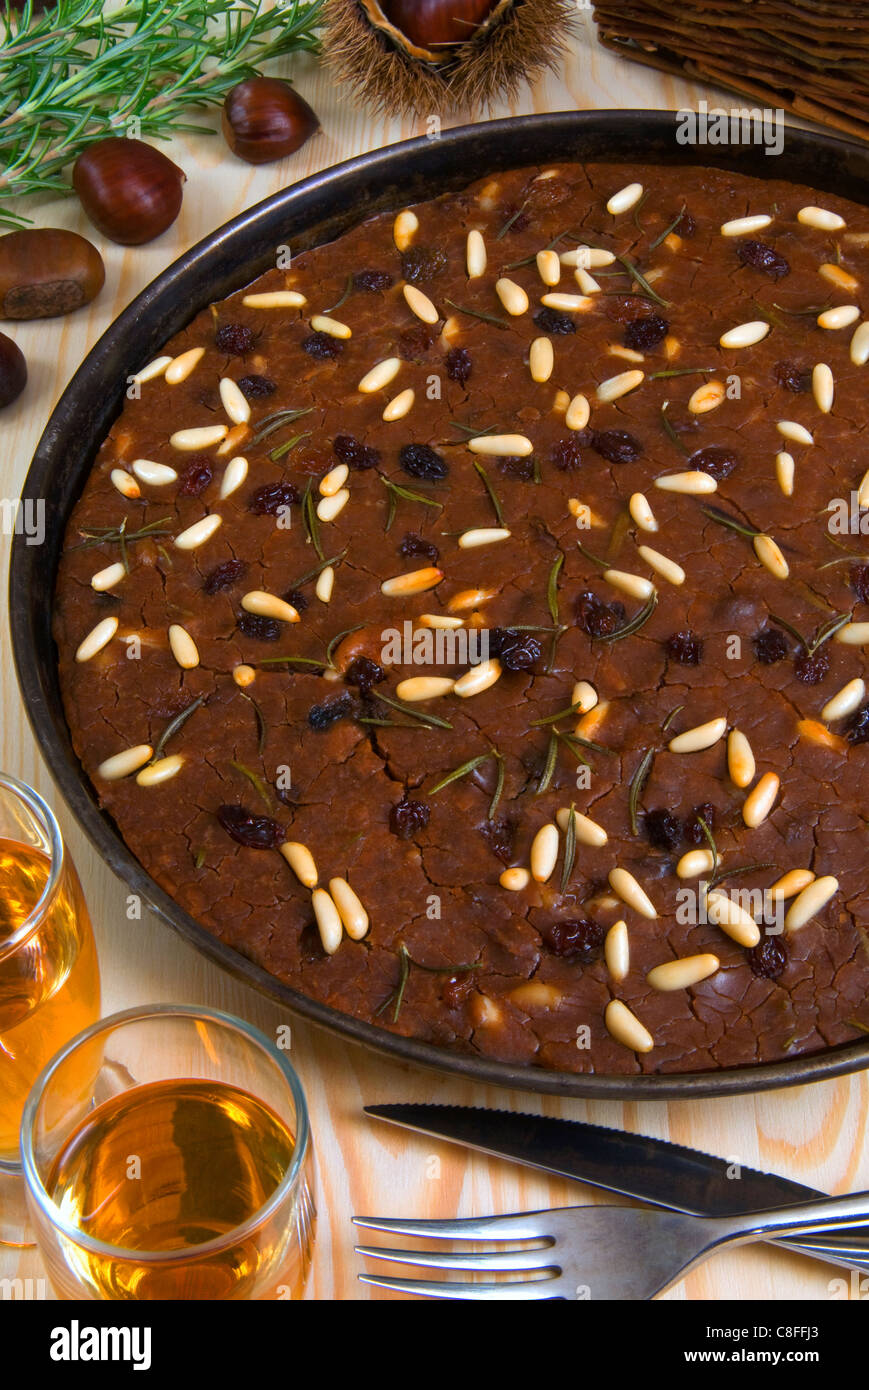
{"points": [[816, 1134]]}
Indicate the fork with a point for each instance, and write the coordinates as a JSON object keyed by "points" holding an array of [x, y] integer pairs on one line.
{"points": [[595, 1252]]}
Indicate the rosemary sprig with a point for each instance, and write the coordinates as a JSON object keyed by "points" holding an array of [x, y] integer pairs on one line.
{"points": [[318, 569], [502, 231], [395, 491], [423, 717], [633, 624], [293, 661], [680, 371], [339, 637], [552, 587], [459, 772], [282, 449], [823, 634], [554, 718], [499, 785], [345, 296], [736, 873], [595, 559], [406, 960], [270, 423], [638, 781], [174, 725], [493, 496], [669, 430], [256, 782], [262, 727], [119, 535], [477, 314], [549, 766], [311, 520], [569, 848], [710, 840], [653, 245], [472, 430], [642, 281], [725, 519]]}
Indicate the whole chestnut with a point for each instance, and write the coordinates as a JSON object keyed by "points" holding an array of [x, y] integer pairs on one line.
{"points": [[46, 271], [129, 190], [13, 371], [431, 23], [265, 119]]}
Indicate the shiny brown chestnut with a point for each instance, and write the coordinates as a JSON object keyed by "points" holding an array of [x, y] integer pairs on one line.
{"points": [[13, 371], [46, 271], [265, 119], [432, 23], [129, 190]]}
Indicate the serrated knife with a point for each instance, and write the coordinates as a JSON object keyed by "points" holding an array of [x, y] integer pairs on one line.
{"points": [[634, 1165]]}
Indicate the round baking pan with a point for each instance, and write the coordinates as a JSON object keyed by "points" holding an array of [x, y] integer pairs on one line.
{"points": [[307, 214]]}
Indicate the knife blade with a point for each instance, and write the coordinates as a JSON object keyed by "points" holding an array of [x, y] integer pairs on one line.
{"points": [[650, 1170]]}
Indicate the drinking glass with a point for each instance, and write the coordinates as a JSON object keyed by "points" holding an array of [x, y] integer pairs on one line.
{"points": [[185, 1172], [49, 979]]}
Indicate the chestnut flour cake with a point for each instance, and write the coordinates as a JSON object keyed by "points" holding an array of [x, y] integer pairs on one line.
{"points": [[467, 622]]}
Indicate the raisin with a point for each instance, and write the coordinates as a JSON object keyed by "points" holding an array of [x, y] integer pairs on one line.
{"points": [[458, 365], [512, 466], [372, 281], [575, 937], [415, 342], [547, 193], [566, 454], [255, 386], [860, 582], [792, 377], [422, 462], [515, 219], [456, 990], [271, 499], [554, 321], [811, 669], [686, 226], [364, 673], [715, 460], [235, 338], [222, 576], [769, 958], [857, 728], [758, 256], [297, 599], [623, 308], [322, 346], [499, 836], [516, 651], [414, 544], [324, 716], [406, 817], [254, 832], [419, 264], [686, 648], [645, 333], [616, 446], [770, 646], [693, 829], [356, 455], [663, 829], [597, 618], [195, 478], [259, 628]]}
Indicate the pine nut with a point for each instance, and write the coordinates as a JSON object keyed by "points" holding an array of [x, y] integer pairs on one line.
{"points": [[204, 437], [586, 282], [404, 228], [617, 951], [784, 472], [475, 255], [333, 328], [740, 759], [592, 257], [727, 914], [400, 405], [842, 279], [860, 345], [97, 638], [849, 698], [350, 909], [823, 387], [420, 304], [616, 350], [863, 491], [482, 535], [154, 474], [330, 507], [234, 402], [122, 764], [682, 973], [329, 922], [439, 620], [534, 996], [163, 770], [641, 512], [584, 697], [514, 880], [183, 647], [416, 582], [107, 578], [822, 218], [707, 397], [478, 679], [501, 445], [625, 199], [791, 883], [853, 634], [692, 482], [616, 386], [423, 688], [470, 598], [578, 411], [631, 584], [243, 675], [760, 800], [236, 436], [589, 724], [626, 1028], [544, 852], [233, 476], [275, 299], [301, 861], [662, 564], [541, 359], [125, 483], [810, 901], [770, 556], [266, 605], [325, 583], [200, 532], [512, 296], [792, 429], [334, 480], [153, 370], [567, 303], [744, 226], [695, 863], [180, 368], [588, 832], [549, 267], [380, 375], [628, 889], [485, 1012], [696, 739], [842, 316], [745, 334]]}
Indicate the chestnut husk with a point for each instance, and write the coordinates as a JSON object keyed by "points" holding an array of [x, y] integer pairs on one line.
{"points": [[130, 190], [46, 271], [265, 119], [13, 371]]}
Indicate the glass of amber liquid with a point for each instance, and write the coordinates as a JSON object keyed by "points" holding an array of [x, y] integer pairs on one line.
{"points": [[49, 980], [186, 1172]]}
